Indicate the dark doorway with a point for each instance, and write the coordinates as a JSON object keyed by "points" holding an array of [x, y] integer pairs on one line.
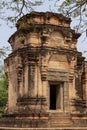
{"points": [[53, 89], [56, 95]]}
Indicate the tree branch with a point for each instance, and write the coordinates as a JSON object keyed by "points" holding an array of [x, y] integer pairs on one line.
{"points": [[77, 7]]}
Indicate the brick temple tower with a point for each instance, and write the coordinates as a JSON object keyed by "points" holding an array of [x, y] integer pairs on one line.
{"points": [[47, 76]]}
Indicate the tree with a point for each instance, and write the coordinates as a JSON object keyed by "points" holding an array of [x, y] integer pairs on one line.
{"points": [[3, 53], [76, 9], [71, 8], [3, 92], [17, 8]]}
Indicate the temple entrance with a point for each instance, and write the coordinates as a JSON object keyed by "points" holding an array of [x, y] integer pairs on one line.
{"points": [[56, 97]]}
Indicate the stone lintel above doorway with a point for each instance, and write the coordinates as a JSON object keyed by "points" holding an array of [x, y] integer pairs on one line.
{"points": [[57, 75]]}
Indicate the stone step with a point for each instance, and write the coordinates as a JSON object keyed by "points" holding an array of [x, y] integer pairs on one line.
{"points": [[59, 128], [58, 122]]}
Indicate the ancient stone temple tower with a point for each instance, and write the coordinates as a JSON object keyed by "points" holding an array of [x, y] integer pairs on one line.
{"points": [[47, 76]]}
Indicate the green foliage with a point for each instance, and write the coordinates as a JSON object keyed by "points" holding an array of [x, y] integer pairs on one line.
{"points": [[72, 8], [76, 9], [3, 92], [3, 51], [22, 39], [18, 8]]}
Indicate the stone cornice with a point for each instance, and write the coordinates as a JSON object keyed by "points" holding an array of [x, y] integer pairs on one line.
{"points": [[45, 15], [39, 28], [44, 49]]}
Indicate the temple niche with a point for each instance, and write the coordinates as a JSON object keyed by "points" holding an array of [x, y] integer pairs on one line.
{"points": [[47, 76]]}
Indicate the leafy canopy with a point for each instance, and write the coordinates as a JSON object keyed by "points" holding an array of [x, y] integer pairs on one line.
{"points": [[76, 9], [72, 8], [12, 10], [3, 91], [17, 8]]}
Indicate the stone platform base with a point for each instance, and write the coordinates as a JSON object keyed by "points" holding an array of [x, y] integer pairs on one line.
{"points": [[45, 122], [60, 128]]}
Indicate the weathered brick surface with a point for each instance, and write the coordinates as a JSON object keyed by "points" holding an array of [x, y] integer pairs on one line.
{"points": [[43, 54]]}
